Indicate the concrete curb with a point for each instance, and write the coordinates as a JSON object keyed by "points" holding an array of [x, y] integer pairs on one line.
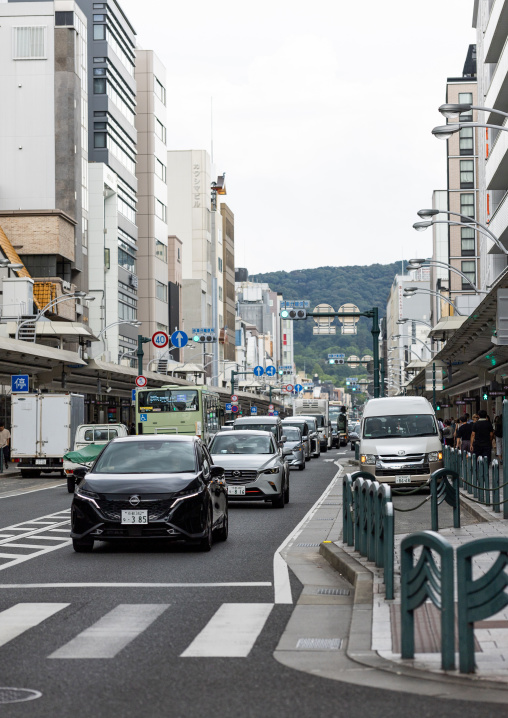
{"points": [[360, 635], [477, 511]]}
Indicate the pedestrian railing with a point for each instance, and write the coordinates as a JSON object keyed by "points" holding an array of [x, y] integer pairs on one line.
{"points": [[477, 598], [480, 482], [444, 486]]}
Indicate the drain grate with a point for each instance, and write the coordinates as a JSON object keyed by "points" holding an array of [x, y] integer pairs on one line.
{"points": [[319, 644], [307, 545], [334, 591], [332, 504], [18, 695], [318, 519]]}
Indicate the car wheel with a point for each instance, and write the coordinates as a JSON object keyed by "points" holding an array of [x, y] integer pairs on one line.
{"points": [[206, 542], [278, 503], [324, 449], [82, 545], [222, 533], [301, 467], [286, 492], [71, 483]]}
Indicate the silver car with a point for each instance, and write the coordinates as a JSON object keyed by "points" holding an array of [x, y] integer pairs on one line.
{"points": [[293, 447], [315, 442], [254, 466], [303, 427]]}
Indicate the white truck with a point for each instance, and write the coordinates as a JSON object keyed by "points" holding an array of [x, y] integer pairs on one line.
{"points": [[43, 427], [319, 409], [89, 435]]}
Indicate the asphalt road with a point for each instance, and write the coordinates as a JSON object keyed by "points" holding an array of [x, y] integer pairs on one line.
{"points": [[158, 650]]}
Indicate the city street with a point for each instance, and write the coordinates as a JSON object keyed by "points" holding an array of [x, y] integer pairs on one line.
{"points": [[195, 635]]}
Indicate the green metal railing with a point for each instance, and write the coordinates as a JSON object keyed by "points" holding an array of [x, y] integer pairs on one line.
{"points": [[482, 485], [444, 486]]}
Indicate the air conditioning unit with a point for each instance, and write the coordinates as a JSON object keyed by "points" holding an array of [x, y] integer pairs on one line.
{"points": [[133, 281], [66, 285]]}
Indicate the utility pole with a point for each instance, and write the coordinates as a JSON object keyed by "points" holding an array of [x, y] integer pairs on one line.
{"points": [[141, 340]]}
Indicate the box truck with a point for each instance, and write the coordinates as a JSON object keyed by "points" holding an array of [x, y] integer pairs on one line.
{"points": [[43, 427], [319, 409]]}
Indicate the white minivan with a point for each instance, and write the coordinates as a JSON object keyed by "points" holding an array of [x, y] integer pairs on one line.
{"points": [[400, 441]]}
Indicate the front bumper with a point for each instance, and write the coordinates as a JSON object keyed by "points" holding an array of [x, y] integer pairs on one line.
{"points": [[264, 488], [420, 479]]}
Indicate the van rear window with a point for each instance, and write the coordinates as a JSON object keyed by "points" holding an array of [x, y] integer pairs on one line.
{"points": [[399, 426]]}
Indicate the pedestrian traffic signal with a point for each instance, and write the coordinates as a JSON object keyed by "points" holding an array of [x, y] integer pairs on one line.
{"points": [[485, 393], [293, 314], [438, 408]]}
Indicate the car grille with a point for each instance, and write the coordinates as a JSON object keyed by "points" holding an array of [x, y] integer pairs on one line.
{"points": [[244, 476], [415, 471], [157, 509], [395, 465]]}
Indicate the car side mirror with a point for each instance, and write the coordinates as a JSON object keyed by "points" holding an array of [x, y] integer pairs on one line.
{"points": [[80, 472], [283, 439], [216, 472]]}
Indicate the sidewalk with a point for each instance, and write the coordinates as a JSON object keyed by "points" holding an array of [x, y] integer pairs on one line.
{"points": [[381, 644]]}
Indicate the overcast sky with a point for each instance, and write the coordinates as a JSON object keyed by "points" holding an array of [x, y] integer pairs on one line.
{"points": [[322, 114]]}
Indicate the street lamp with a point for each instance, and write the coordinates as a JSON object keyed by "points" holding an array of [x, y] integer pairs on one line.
{"points": [[53, 303], [416, 321], [466, 222], [103, 339], [418, 263], [411, 291]]}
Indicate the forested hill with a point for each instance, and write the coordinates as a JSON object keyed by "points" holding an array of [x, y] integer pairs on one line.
{"points": [[366, 286]]}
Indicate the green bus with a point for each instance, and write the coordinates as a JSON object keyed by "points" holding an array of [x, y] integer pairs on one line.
{"points": [[174, 409]]}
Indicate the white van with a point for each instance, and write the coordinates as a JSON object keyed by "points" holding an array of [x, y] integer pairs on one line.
{"points": [[400, 441]]}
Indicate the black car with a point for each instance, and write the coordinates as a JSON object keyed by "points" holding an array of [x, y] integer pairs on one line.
{"points": [[150, 487]]}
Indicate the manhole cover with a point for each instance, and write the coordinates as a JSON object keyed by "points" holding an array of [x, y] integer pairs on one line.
{"points": [[307, 545], [319, 644], [334, 591], [18, 695]]}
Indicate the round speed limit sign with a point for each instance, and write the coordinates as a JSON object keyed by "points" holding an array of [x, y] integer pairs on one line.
{"points": [[160, 340], [141, 381]]}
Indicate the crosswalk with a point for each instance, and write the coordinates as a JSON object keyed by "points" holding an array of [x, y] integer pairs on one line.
{"points": [[230, 633], [30, 539]]}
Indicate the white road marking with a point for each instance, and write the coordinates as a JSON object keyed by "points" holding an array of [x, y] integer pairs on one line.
{"points": [[29, 491], [281, 583], [231, 632], [233, 584], [112, 632], [34, 529], [19, 618], [328, 460]]}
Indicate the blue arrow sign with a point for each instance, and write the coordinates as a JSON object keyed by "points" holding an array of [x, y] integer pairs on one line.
{"points": [[270, 371], [276, 413], [298, 388], [258, 371], [179, 339], [133, 395]]}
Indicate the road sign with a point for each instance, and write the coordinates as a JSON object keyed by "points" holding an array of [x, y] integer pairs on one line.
{"points": [[336, 356], [258, 371], [270, 371], [298, 388], [179, 339], [234, 398], [160, 340], [228, 407], [234, 409], [133, 395], [275, 413], [253, 410], [289, 387], [271, 407], [141, 381], [143, 417], [19, 384], [270, 413], [298, 304]]}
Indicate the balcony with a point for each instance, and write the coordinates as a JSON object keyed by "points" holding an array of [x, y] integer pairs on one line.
{"points": [[499, 224], [496, 32], [497, 95], [496, 167]]}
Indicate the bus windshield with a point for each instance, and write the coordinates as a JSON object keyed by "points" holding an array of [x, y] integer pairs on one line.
{"points": [[156, 400]]}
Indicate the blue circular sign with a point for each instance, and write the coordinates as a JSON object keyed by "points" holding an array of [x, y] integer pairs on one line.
{"points": [[270, 371], [179, 339], [258, 371], [298, 388]]}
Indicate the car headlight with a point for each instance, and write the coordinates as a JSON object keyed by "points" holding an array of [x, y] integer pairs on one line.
{"points": [[271, 471], [87, 495], [436, 456], [298, 447], [368, 459], [186, 494]]}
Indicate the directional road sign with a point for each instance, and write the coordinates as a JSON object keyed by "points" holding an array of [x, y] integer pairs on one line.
{"points": [[160, 340], [228, 407], [298, 388], [133, 395], [235, 409], [179, 339], [234, 398], [19, 384], [258, 371], [276, 413], [141, 381], [270, 371], [253, 410]]}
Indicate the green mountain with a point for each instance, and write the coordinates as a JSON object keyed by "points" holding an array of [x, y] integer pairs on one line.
{"points": [[366, 286]]}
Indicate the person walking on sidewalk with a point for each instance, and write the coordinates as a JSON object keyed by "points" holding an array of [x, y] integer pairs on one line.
{"points": [[5, 440], [482, 436], [498, 434], [464, 432]]}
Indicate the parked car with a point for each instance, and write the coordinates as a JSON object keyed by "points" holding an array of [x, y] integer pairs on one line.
{"points": [[302, 425], [254, 466], [293, 447], [150, 487]]}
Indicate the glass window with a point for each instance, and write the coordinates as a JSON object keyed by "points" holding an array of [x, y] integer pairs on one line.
{"points": [[399, 425], [466, 98], [99, 86], [466, 141], [99, 140], [99, 32], [161, 291], [466, 173], [126, 261], [147, 457], [99, 6], [64, 18], [100, 434], [219, 261], [228, 443], [160, 169], [161, 251], [99, 18], [100, 125], [467, 204], [469, 269], [160, 130], [160, 90], [467, 241], [168, 400], [239, 424], [160, 210], [99, 59], [99, 71], [29, 43]]}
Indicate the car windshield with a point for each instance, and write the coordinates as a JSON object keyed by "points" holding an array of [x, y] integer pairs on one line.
{"points": [[298, 424], [147, 457], [312, 423], [399, 426], [242, 444], [157, 400], [257, 427], [105, 434], [292, 433]]}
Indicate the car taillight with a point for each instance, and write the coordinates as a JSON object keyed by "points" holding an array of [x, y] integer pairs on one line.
{"points": [[16, 461]]}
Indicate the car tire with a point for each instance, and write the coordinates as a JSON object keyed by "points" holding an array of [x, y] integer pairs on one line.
{"points": [[71, 483], [286, 492], [324, 449], [279, 503], [206, 542], [222, 533], [82, 545], [301, 467]]}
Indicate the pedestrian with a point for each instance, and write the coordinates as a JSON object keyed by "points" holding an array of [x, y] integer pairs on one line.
{"points": [[498, 434], [464, 432], [5, 441], [448, 433], [132, 428], [474, 419], [482, 436]]}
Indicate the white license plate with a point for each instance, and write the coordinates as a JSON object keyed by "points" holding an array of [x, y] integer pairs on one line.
{"points": [[130, 516], [402, 479], [236, 490], [40, 462]]}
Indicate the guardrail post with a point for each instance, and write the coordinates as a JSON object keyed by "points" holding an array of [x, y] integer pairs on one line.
{"points": [[384, 495], [389, 549], [495, 486], [426, 580], [357, 450], [481, 478], [446, 456], [460, 465], [442, 490], [371, 520], [357, 485], [364, 515], [347, 509], [474, 475], [479, 598], [469, 472]]}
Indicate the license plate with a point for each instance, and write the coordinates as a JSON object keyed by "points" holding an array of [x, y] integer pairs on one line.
{"points": [[402, 479], [40, 462], [130, 516], [236, 490]]}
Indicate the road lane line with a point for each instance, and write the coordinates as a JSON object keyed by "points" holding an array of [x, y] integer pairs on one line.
{"points": [[231, 632], [232, 584], [112, 632], [29, 491], [281, 582], [19, 618]]}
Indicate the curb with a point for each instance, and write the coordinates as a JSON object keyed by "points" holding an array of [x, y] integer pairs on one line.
{"points": [[360, 635], [480, 514]]}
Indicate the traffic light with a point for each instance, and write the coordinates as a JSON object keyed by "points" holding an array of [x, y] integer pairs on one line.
{"points": [[204, 338], [485, 393], [336, 361], [293, 314], [438, 408]]}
